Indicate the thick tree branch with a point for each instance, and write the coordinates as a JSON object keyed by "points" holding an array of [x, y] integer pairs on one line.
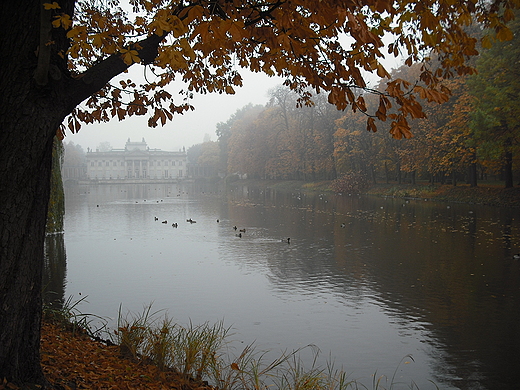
{"points": [[96, 77]]}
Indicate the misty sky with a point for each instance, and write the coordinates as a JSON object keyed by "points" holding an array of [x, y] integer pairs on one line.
{"points": [[185, 130]]}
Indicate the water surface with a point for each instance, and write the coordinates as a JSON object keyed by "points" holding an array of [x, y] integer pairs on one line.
{"points": [[367, 280]]}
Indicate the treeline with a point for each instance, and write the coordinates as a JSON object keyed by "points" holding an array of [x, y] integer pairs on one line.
{"points": [[472, 136]]}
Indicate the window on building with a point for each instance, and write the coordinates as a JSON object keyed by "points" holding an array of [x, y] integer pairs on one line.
{"points": [[92, 163], [99, 164], [108, 163], [165, 173], [180, 172], [158, 163], [115, 163], [173, 163], [180, 163]]}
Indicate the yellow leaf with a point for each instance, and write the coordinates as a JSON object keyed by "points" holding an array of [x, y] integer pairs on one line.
{"points": [[53, 5], [177, 27], [187, 50], [130, 56], [509, 15], [504, 34], [97, 40], [486, 42], [62, 20]]}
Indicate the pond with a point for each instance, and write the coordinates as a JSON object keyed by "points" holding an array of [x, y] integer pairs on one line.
{"points": [[370, 281]]}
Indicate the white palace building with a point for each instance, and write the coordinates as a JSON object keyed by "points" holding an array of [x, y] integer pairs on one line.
{"points": [[136, 163]]}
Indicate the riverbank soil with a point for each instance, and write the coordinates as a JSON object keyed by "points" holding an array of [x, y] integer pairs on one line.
{"points": [[72, 360]]}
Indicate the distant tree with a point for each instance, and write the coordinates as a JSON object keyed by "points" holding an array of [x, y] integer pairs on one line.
{"points": [[73, 154], [209, 154], [225, 130], [193, 153], [59, 57], [496, 111], [104, 146]]}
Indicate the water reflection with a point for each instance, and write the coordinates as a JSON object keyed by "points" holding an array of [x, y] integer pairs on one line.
{"points": [[54, 271], [369, 279], [438, 269]]}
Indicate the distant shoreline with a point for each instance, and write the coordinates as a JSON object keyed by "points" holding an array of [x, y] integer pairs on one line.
{"points": [[484, 194]]}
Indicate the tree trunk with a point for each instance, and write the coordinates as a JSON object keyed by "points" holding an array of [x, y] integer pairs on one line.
{"points": [[36, 93], [472, 171], [454, 178], [508, 163], [25, 169], [508, 169], [30, 112]]}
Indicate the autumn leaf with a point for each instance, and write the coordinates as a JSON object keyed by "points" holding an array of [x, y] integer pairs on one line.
{"points": [[62, 20], [504, 34], [130, 56], [371, 125], [49, 6]]}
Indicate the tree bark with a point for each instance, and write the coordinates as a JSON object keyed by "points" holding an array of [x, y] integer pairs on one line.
{"points": [[32, 107]]}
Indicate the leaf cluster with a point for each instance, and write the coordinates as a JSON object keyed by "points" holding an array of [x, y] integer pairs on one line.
{"points": [[328, 46]]}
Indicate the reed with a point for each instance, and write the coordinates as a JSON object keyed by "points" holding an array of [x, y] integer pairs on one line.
{"points": [[69, 316], [132, 331], [159, 344], [204, 353], [197, 348]]}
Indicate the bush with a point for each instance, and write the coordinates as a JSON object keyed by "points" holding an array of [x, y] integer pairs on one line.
{"points": [[351, 183]]}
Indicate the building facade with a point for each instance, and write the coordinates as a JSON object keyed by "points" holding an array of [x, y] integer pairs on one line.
{"points": [[136, 162]]}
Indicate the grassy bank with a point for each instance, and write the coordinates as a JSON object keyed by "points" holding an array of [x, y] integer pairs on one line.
{"points": [[484, 194], [151, 352]]}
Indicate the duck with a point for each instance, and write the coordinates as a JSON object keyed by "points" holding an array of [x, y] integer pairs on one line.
{"points": [[516, 256], [191, 221], [287, 240], [235, 228], [155, 219], [174, 224], [165, 221], [242, 230], [239, 235], [342, 225]]}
